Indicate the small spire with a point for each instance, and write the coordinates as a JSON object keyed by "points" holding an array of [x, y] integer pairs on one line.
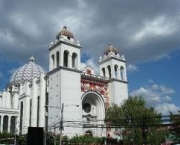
{"points": [[110, 44], [32, 59], [65, 27]]}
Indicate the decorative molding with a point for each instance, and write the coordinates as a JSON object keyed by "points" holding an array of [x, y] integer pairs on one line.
{"points": [[107, 59], [62, 67]]}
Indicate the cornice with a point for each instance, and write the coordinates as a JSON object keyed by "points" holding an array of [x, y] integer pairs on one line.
{"points": [[64, 68]]}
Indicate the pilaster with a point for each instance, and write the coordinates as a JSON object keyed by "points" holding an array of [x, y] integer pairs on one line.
{"points": [[1, 125], [9, 123]]}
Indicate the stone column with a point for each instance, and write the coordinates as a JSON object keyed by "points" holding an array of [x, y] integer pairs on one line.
{"points": [[15, 100], [70, 60], [8, 100], [3, 99], [106, 72], [9, 123], [61, 58], [118, 74], [42, 101], [34, 104], [1, 127], [124, 75], [26, 113], [55, 61], [112, 72]]}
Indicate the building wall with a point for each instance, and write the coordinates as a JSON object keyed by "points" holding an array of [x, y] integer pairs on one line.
{"points": [[64, 87]]}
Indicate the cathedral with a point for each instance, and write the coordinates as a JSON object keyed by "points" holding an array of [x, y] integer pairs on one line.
{"points": [[66, 98]]}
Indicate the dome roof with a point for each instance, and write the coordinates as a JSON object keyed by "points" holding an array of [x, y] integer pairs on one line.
{"points": [[65, 32], [27, 72], [111, 48]]}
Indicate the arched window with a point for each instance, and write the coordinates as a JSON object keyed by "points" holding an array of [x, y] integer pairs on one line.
{"points": [[5, 124], [21, 117], [103, 72], [66, 53], [38, 113], [109, 71], [116, 71], [30, 113], [13, 124], [52, 58], [57, 58], [74, 60], [122, 73]]}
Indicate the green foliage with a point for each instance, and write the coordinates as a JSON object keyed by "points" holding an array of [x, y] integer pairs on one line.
{"points": [[51, 138], [8, 138], [138, 122], [175, 121], [22, 139], [85, 140]]}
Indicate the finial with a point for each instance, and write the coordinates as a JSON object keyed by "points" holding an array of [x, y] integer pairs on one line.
{"points": [[65, 27], [32, 59], [110, 44]]}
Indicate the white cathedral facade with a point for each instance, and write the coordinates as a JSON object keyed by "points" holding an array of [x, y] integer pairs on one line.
{"points": [[77, 97]]}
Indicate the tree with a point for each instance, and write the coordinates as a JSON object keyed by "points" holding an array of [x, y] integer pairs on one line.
{"points": [[138, 123], [175, 122]]}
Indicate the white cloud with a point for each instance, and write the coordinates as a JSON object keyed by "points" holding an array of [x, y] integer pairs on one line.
{"points": [[131, 68], [147, 93], [155, 87], [157, 96], [165, 108], [156, 27], [6, 38], [166, 90], [90, 62], [27, 26], [166, 98]]}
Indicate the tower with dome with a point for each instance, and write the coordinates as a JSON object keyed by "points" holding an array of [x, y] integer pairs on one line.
{"points": [[35, 98]]}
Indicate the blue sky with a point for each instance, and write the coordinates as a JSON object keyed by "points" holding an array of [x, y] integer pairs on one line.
{"points": [[146, 32]]}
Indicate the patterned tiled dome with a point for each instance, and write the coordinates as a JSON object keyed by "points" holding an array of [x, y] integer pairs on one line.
{"points": [[27, 72]]}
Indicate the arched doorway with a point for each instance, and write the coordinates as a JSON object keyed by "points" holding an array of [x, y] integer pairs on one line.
{"points": [[88, 133], [93, 108]]}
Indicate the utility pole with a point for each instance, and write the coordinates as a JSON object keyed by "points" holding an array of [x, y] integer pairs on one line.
{"points": [[61, 119], [61, 124], [54, 135]]}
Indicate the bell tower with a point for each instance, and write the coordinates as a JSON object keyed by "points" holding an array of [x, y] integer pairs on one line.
{"points": [[64, 78], [64, 51], [113, 66]]}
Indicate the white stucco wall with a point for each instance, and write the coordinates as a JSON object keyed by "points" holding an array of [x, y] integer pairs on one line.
{"points": [[64, 87]]}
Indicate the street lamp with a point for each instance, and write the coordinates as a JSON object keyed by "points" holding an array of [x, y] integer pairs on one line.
{"points": [[61, 117]]}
